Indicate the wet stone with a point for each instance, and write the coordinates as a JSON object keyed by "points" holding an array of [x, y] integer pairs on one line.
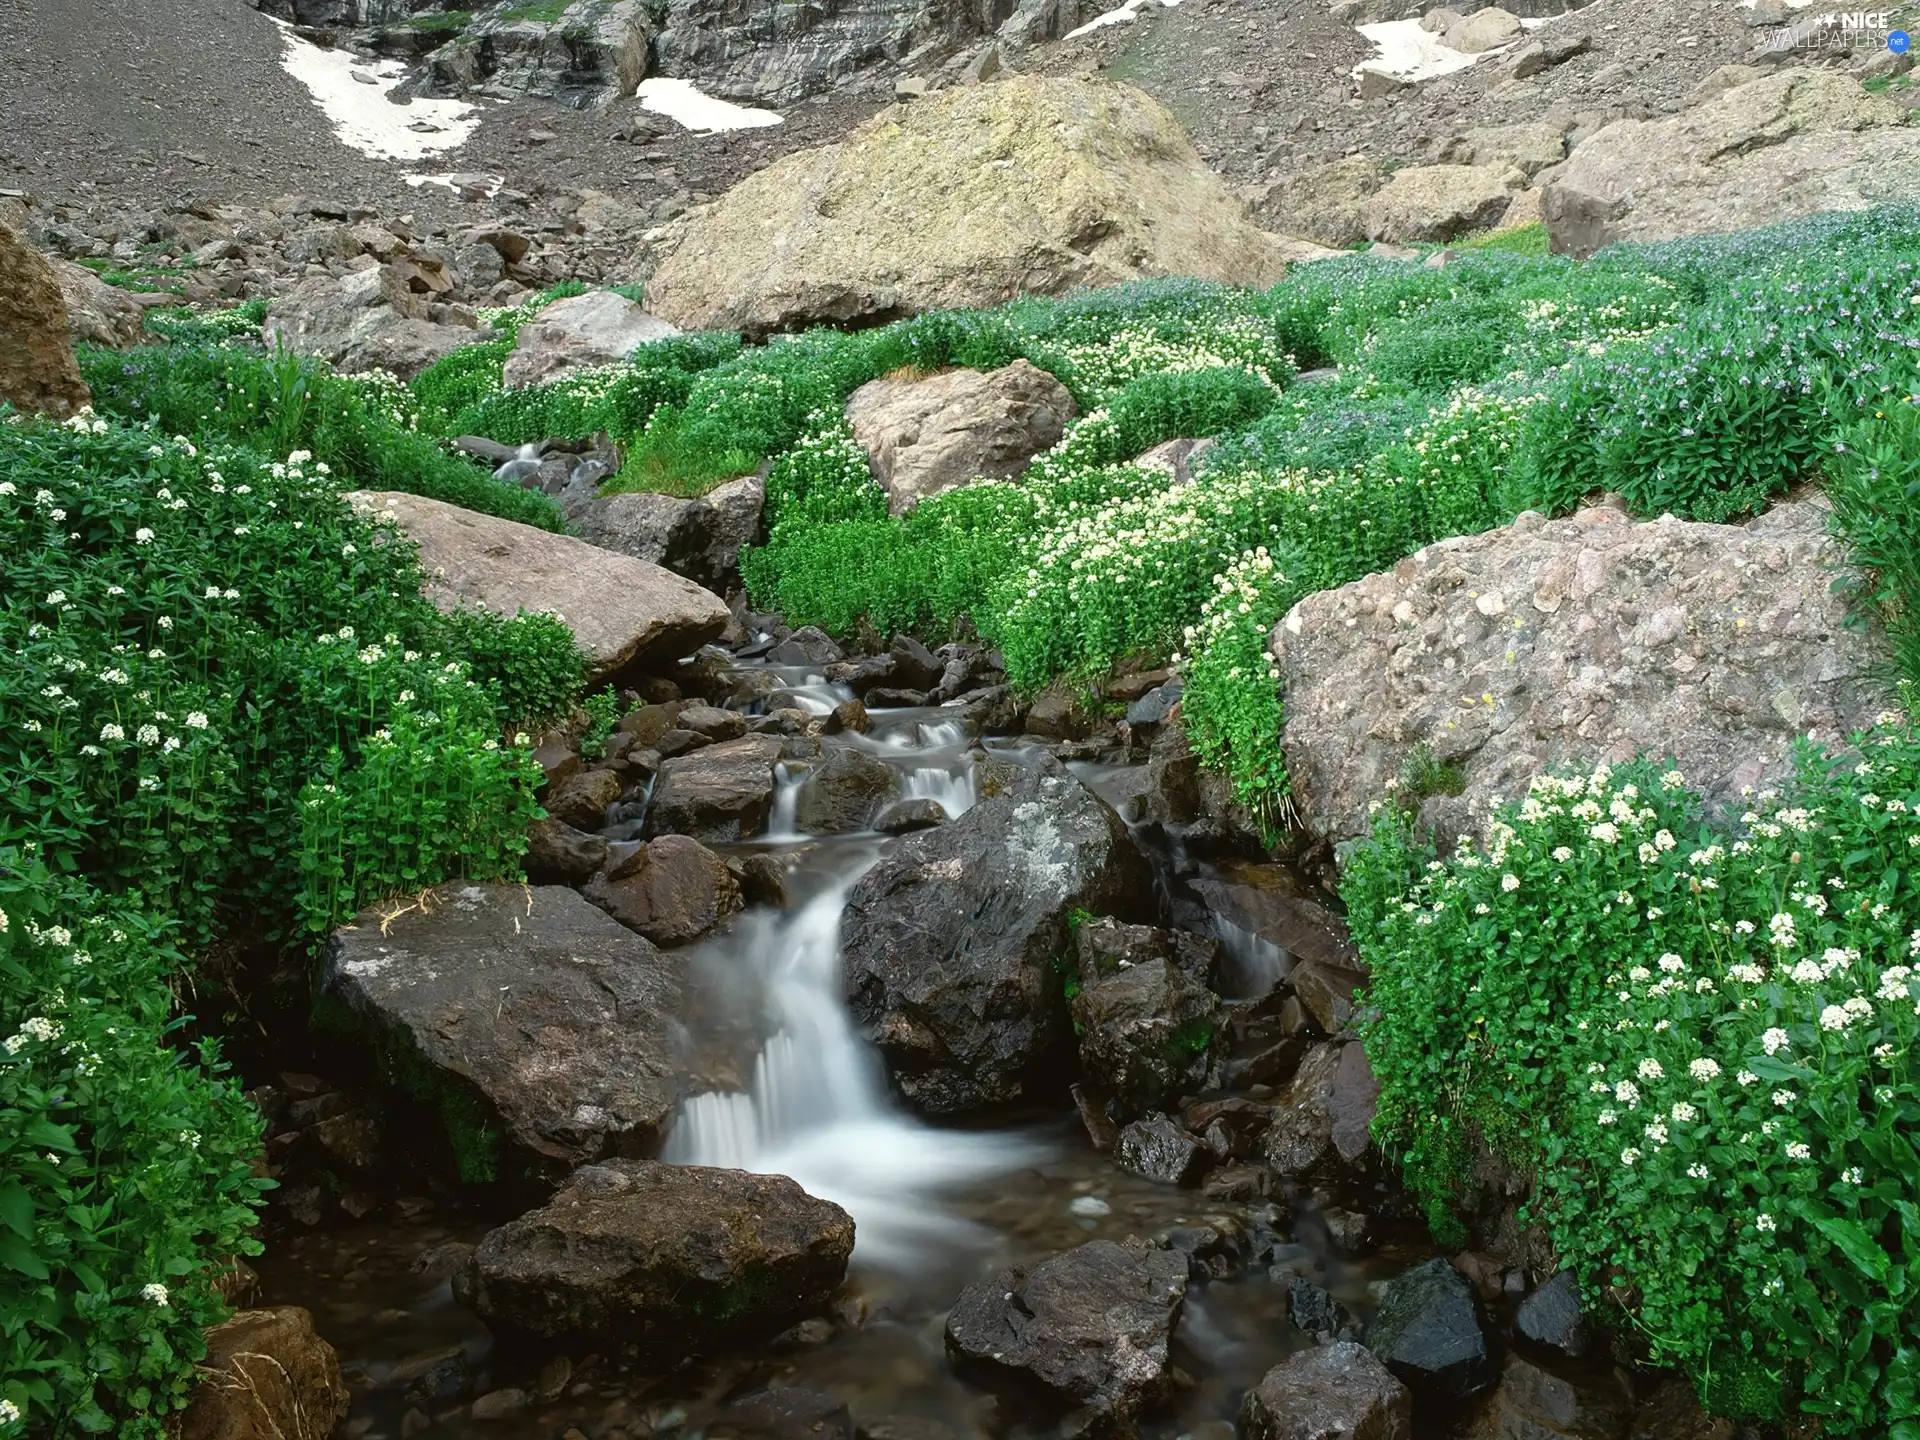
{"points": [[1158, 1149], [1429, 1332], [1552, 1316], [1333, 1392], [1314, 1311], [904, 816]]}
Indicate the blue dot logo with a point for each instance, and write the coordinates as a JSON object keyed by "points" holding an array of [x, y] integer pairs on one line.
{"points": [[1899, 42]]}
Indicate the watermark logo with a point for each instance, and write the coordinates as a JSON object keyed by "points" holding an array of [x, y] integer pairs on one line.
{"points": [[1847, 29], [1899, 43]]}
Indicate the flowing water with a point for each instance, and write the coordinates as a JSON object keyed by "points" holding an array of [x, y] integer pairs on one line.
{"points": [[935, 1208]]}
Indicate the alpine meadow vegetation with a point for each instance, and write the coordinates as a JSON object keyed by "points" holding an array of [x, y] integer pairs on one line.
{"points": [[230, 710]]}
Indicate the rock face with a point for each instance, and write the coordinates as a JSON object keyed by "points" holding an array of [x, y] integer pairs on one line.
{"points": [[967, 198], [700, 539], [38, 373], [667, 1259], [591, 53], [1794, 143], [577, 333], [1428, 1332], [1439, 202], [99, 313], [950, 941], [267, 1377], [1321, 1121], [1333, 1392], [1588, 638], [670, 890], [1329, 203], [624, 612], [928, 435], [718, 794], [844, 793], [1091, 1326], [369, 320], [521, 1013], [1146, 1034]]}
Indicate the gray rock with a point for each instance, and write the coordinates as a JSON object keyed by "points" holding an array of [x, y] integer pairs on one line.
{"points": [[1272, 904], [1158, 1149], [1091, 1326], [559, 854], [1327, 992], [578, 333], [592, 53], [699, 538], [1538, 1404], [671, 890], [1321, 1120], [1611, 639], [1440, 202], [1327, 204], [580, 800], [844, 792], [1314, 1311], [1483, 30], [904, 816], [367, 320], [809, 645], [719, 794], [948, 429], [1792, 143], [1147, 1034], [99, 313], [1552, 1316], [667, 1259], [1429, 1332], [523, 1015], [624, 612], [1105, 947], [950, 939], [1333, 1392]]}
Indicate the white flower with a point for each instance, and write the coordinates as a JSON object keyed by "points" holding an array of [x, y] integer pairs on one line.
{"points": [[1853, 1176], [1509, 883], [1763, 1222], [1650, 1069], [111, 731], [1657, 1133], [1629, 1156], [1781, 927], [1775, 1040], [1698, 1172], [1834, 1017], [1672, 964], [1798, 1151], [1704, 1069], [1607, 1117], [154, 1293], [56, 597], [1747, 1077], [1684, 1111], [1606, 832], [143, 536], [1639, 974], [196, 720], [1627, 1093], [148, 735], [1783, 1098], [1562, 854], [1746, 974], [9, 1412]]}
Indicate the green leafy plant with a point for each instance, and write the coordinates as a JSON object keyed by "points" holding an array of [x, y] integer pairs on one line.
{"points": [[1873, 486]]}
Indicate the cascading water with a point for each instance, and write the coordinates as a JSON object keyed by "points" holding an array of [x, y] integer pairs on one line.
{"points": [[818, 1109]]}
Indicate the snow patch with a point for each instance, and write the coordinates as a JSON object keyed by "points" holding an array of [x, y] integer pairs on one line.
{"points": [[684, 102], [360, 111], [1125, 15], [1409, 53], [459, 181]]}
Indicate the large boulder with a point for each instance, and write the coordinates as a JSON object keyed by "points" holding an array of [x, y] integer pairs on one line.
{"points": [[266, 1376], [369, 320], [1536, 1403], [520, 1014], [589, 54], [578, 333], [967, 198], [1793, 143], [1328, 203], [1331, 1392], [1430, 1332], [624, 612], [718, 794], [1091, 1326], [99, 313], [1485, 29], [951, 940], [1590, 638], [700, 538], [670, 890], [1322, 1121], [37, 370], [1147, 1034], [844, 792], [1439, 202], [925, 435], [665, 1259]]}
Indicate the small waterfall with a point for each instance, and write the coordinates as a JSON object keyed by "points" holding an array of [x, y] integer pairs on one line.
{"points": [[819, 1110], [781, 823], [954, 791], [1255, 963]]}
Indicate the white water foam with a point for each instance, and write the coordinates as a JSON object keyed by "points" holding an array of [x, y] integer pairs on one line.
{"points": [[360, 111], [819, 1109]]}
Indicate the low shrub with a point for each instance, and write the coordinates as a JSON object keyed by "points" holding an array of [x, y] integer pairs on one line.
{"points": [[1695, 1035], [1873, 485]]}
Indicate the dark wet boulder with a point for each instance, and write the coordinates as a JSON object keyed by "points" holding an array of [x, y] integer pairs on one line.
{"points": [[1157, 1148], [1147, 1034], [581, 800], [711, 721], [952, 942], [904, 816], [1105, 947], [1090, 1327], [1430, 1332], [1332, 1392], [666, 1260], [809, 645], [1314, 1311], [1326, 992], [518, 1015], [265, 1373], [1321, 1121], [718, 794], [844, 793], [671, 890], [1535, 1403], [558, 854], [1552, 1316], [1273, 904]]}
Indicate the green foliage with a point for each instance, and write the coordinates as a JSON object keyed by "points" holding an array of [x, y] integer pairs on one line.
{"points": [[227, 704], [1695, 1035], [1170, 404], [1423, 774], [603, 713], [1873, 485]]}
